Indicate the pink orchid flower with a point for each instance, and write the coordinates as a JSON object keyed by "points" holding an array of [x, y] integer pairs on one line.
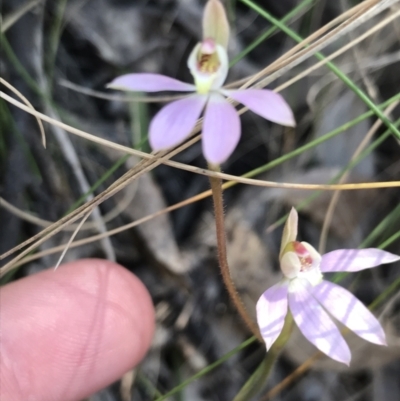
{"points": [[208, 63], [312, 300]]}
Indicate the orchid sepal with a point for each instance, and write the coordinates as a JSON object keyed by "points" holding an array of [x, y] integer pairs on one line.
{"points": [[215, 23]]}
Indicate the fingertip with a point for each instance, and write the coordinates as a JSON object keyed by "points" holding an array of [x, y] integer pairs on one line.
{"points": [[85, 325]]}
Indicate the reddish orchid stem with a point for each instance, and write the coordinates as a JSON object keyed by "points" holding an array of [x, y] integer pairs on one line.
{"points": [[216, 187]]}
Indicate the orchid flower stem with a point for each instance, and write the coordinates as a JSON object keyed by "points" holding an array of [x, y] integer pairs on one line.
{"points": [[216, 187], [258, 379]]}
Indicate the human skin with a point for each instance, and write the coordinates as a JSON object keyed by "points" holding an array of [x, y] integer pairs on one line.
{"points": [[67, 333]]}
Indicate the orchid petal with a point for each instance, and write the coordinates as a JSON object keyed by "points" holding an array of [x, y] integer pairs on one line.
{"points": [[346, 308], [271, 312], [149, 83], [315, 323], [268, 104], [221, 129], [290, 229], [353, 260], [174, 122]]}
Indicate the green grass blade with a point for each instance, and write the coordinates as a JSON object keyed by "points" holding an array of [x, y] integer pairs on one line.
{"points": [[270, 31]]}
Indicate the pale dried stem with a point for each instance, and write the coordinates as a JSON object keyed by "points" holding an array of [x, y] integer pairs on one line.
{"points": [[118, 98], [371, 88], [144, 219], [115, 231], [337, 53], [112, 214], [292, 377], [307, 50], [29, 104], [67, 246], [202, 171], [10, 19], [71, 157]]}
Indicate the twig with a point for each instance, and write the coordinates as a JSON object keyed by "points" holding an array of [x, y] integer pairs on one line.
{"points": [[72, 159], [29, 104], [13, 17], [71, 239], [128, 98], [107, 217], [292, 377]]}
